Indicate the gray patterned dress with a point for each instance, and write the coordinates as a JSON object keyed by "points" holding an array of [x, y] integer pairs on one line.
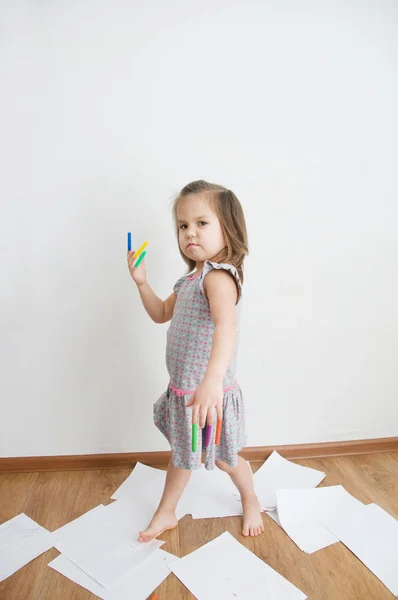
{"points": [[189, 340]]}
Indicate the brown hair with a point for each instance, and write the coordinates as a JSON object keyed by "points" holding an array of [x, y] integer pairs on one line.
{"points": [[229, 211]]}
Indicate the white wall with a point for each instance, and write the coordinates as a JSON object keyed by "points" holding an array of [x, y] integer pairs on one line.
{"points": [[107, 109]]}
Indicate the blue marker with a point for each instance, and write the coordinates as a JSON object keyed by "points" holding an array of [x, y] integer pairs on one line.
{"points": [[129, 241]]}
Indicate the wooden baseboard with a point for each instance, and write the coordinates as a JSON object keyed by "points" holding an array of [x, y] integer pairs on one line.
{"points": [[128, 460]]}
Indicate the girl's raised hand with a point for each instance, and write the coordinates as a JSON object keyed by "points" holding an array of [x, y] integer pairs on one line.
{"points": [[206, 401], [137, 273]]}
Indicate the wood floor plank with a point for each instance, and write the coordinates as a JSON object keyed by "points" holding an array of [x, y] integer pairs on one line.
{"points": [[379, 473], [342, 575], [14, 493]]}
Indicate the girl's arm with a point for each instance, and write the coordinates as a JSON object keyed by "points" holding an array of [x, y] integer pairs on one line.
{"points": [[222, 294], [159, 310], [221, 291]]}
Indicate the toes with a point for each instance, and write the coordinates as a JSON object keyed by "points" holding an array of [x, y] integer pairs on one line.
{"points": [[245, 531], [142, 537], [255, 531]]}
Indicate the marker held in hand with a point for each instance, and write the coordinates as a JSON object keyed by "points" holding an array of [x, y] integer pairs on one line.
{"points": [[218, 432], [208, 435], [141, 258], [194, 436], [144, 245]]}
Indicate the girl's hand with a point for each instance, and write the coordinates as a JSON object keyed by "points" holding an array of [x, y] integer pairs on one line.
{"points": [[207, 397], [138, 274]]}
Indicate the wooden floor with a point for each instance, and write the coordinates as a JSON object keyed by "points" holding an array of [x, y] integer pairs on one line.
{"points": [[53, 499]]}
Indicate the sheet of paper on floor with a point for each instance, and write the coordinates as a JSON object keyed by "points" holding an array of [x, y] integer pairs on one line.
{"points": [[12, 530], [128, 516], [66, 567], [151, 493], [224, 569], [301, 513], [208, 494], [278, 473], [105, 555], [139, 477], [68, 528], [144, 580], [141, 582], [21, 540], [211, 494], [274, 516], [372, 535]]}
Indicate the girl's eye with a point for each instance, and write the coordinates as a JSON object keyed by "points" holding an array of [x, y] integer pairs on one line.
{"points": [[182, 226], [202, 223]]}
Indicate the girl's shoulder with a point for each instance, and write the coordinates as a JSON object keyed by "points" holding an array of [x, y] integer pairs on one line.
{"points": [[180, 282], [210, 266]]}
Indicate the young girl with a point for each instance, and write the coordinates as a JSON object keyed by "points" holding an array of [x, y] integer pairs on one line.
{"points": [[201, 349]]}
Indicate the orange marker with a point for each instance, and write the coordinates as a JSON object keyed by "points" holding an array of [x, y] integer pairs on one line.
{"points": [[155, 597], [218, 432]]}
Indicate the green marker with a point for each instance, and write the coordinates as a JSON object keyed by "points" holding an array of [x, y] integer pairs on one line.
{"points": [[137, 264], [194, 436]]}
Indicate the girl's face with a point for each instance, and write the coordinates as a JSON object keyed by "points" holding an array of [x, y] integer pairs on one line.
{"points": [[199, 229]]}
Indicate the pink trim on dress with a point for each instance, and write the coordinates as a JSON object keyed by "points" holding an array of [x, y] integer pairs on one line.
{"points": [[194, 276], [181, 393]]}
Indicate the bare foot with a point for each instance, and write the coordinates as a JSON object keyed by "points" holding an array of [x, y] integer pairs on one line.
{"points": [[252, 520], [161, 522]]}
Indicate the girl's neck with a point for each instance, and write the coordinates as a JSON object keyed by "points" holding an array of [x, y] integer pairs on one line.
{"points": [[197, 272], [198, 268]]}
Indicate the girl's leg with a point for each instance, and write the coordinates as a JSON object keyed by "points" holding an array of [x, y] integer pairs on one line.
{"points": [[165, 517], [242, 477]]}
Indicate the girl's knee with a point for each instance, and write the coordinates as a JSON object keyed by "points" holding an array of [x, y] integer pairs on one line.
{"points": [[223, 466]]}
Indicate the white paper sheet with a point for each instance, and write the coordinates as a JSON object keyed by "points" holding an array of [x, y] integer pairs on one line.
{"points": [[211, 494], [273, 514], [151, 493], [105, 555], [21, 540], [138, 478], [128, 516], [68, 528], [66, 567], [223, 569], [138, 585], [144, 580], [301, 513], [278, 473], [15, 528], [372, 535]]}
